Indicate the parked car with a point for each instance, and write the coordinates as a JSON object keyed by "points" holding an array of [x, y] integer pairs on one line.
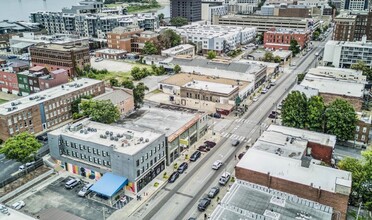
{"points": [[98, 59], [203, 148], [12, 57], [217, 164], [240, 156], [210, 144], [18, 205], [215, 115], [225, 177], [85, 190], [182, 167], [42, 137], [235, 143], [72, 183], [264, 91], [203, 204], [173, 177], [213, 192], [255, 99], [274, 114], [195, 156], [26, 166]]}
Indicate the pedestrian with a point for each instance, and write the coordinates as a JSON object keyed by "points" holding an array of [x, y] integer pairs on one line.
{"points": [[235, 156], [205, 216]]}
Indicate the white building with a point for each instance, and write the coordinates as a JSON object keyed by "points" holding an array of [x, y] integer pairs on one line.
{"points": [[217, 37], [183, 49], [343, 54], [211, 8], [313, 3], [339, 74]]}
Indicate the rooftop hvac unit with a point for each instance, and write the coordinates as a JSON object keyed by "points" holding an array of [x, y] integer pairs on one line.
{"points": [[112, 138], [107, 132]]}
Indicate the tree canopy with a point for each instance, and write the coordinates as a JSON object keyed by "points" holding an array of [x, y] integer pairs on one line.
{"points": [[294, 110], [179, 21], [211, 55], [315, 112], [21, 147], [139, 94], [177, 68], [128, 84], [149, 48], [294, 47], [168, 39], [100, 110], [360, 65]]}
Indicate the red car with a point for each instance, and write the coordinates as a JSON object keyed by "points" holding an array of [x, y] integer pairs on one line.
{"points": [[210, 144], [203, 148]]}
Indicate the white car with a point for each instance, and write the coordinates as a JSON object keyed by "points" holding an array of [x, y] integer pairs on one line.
{"points": [[217, 164], [225, 177], [18, 205], [255, 99], [25, 166], [99, 59], [85, 190]]}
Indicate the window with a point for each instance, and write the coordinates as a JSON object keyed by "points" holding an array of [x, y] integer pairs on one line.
{"points": [[363, 137], [357, 128], [142, 159], [147, 156], [88, 149], [94, 151], [364, 129], [137, 163], [138, 173]]}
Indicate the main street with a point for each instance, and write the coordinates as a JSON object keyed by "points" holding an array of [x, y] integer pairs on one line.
{"points": [[179, 200]]}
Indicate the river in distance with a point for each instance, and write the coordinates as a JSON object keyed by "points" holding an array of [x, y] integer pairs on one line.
{"points": [[19, 10]]}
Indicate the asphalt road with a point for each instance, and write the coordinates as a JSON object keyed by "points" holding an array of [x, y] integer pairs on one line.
{"points": [[7, 167]]}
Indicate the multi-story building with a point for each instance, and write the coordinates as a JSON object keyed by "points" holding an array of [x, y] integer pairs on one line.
{"points": [[209, 9], [353, 26], [55, 56], [363, 127], [264, 23], [312, 3], [38, 79], [217, 38], [130, 39], [354, 4], [84, 7], [344, 54], [278, 38], [91, 149], [9, 81], [290, 160], [122, 98], [190, 9], [45, 110], [183, 49], [92, 25], [339, 74]]}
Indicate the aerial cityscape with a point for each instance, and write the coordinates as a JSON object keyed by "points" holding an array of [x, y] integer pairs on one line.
{"points": [[185, 109]]}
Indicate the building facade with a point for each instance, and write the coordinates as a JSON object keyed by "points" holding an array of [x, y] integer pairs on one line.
{"points": [[180, 50], [277, 38], [122, 98], [190, 9], [55, 57], [353, 26], [354, 4], [363, 128], [45, 110], [211, 9], [9, 81], [91, 149]]}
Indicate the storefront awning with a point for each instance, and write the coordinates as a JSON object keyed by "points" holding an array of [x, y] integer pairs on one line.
{"points": [[109, 184]]}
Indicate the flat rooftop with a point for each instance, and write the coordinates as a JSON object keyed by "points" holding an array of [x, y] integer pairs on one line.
{"points": [[43, 96], [333, 86], [111, 51], [246, 200], [60, 47], [178, 48], [309, 92], [126, 141], [211, 86], [350, 44], [171, 123], [325, 70]]}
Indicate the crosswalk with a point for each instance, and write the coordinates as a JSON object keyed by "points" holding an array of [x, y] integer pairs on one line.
{"points": [[246, 121], [234, 137]]}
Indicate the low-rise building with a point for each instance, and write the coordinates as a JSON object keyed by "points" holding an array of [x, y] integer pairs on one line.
{"points": [[91, 149], [278, 38], [343, 54], [182, 126], [287, 159], [308, 91], [339, 73], [209, 9], [8, 81], [363, 127], [113, 54], [122, 98], [183, 50], [55, 57], [217, 38], [45, 110], [331, 89], [246, 200]]}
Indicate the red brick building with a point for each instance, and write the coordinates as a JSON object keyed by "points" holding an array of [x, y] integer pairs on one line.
{"points": [[8, 81], [284, 159], [278, 38]]}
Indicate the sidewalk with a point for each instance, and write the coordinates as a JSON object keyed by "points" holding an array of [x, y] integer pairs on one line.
{"points": [[150, 190]]}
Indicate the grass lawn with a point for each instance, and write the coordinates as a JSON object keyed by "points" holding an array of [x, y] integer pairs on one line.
{"points": [[121, 76], [3, 101]]}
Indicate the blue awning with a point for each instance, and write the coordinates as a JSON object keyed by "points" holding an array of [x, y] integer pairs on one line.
{"points": [[109, 184]]}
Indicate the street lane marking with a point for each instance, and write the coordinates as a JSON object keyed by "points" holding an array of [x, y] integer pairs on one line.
{"points": [[183, 194]]}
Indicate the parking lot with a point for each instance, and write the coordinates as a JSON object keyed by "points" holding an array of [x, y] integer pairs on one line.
{"points": [[56, 196]]}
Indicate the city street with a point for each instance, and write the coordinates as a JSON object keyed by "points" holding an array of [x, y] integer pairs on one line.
{"points": [[179, 200]]}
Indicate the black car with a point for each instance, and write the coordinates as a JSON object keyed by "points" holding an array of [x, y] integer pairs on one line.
{"points": [[195, 156], [173, 177], [274, 114], [210, 144], [240, 156], [213, 192], [182, 167], [203, 204]]}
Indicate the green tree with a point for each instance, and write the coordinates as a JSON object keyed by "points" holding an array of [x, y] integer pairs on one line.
{"points": [[360, 65], [128, 84], [136, 73], [211, 55], [100, 110], [145, 72], [161, 71], [177, 69], [268, 57], [340, 119], [294, 110], [179, 21], [315, 113], [277, 59], [149, 48], [114, 82], [139, 94], [300, 77], [21, 147], [168, 39], [161, 16], [316, 35], [294, 47]]}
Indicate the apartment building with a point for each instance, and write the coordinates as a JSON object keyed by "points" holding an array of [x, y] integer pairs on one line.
{"points": [[217, 38], [131, 38], [264, 23], [354, 4], [180, 50], [344, 54], [45, 110], [190, 9], [8, 81], [55, 57], [352, 26], [284, 159], [92, 25], [278, 38], [91, 149], [209, 9], [39, 78]]}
